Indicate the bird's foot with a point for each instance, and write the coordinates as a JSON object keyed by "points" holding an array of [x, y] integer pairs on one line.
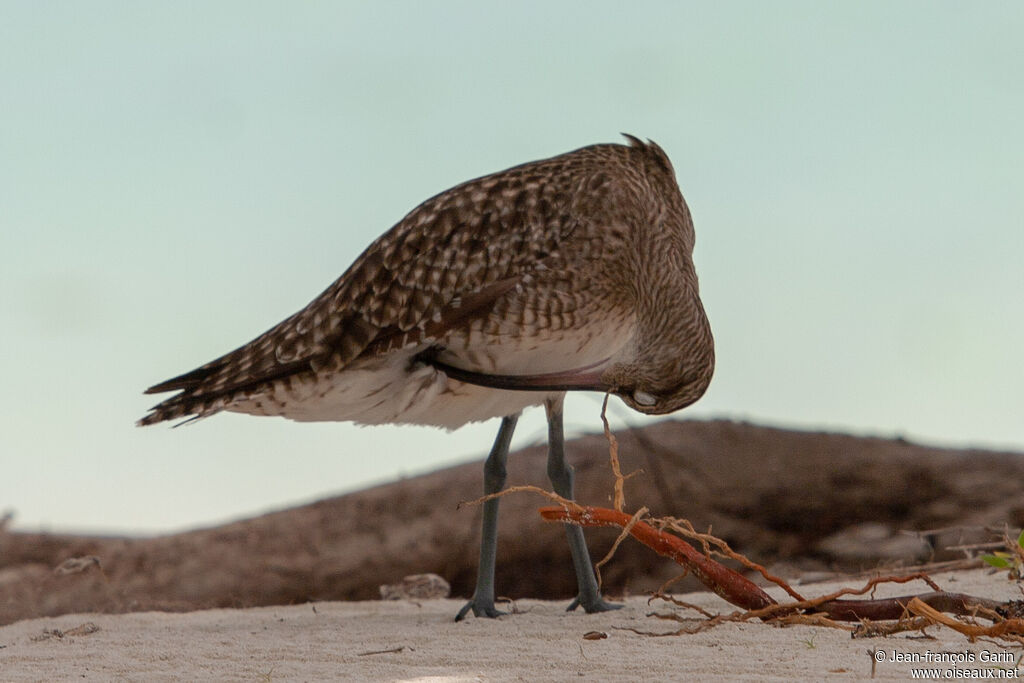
{"points": [[481, 608], [592, 605]]}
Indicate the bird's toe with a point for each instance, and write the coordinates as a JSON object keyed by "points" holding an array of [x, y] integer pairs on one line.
{"points": [[480, 608], [593, 605]]}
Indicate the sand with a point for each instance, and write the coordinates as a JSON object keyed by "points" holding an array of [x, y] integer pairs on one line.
{"points": [[405, 641]]}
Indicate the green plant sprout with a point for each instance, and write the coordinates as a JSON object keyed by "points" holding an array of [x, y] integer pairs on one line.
{"points": [[1012, 560]]}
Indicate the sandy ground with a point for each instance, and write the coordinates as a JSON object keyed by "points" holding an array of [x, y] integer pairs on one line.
{"points": [[404, 641]]}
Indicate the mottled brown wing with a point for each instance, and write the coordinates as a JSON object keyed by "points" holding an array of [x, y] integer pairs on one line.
{"points": [[446, 261]]}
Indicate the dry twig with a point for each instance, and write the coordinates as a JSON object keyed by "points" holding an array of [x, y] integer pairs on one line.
{"points": [[613, 454], [826, 610]]}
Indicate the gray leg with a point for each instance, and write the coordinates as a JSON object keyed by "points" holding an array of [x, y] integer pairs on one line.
{"points": [[482, 602], [561, 475]]}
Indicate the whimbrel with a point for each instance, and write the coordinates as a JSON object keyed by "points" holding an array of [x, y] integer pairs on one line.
{"points": [[569, 273]]}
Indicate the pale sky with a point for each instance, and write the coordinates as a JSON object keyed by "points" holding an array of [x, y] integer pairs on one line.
{"points": [[175, 178]]}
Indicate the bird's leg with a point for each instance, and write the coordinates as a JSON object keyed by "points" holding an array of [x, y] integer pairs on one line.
{"points": [[482, 602], [561, 475]]}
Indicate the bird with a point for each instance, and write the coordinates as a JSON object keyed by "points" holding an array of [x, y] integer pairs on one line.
{"points": [[571, 273]]}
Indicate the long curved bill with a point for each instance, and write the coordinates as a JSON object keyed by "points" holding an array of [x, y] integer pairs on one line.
{"points": [[587, 378]]}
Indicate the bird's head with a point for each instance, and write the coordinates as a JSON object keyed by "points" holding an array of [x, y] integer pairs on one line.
{"points": [[652, 395], [659, 388]]}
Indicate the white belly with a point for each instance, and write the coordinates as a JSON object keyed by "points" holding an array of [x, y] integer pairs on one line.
{"points": [[390, 389]]}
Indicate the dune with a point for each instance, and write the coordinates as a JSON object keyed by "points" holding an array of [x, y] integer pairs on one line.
{"points": [[293, 594]]}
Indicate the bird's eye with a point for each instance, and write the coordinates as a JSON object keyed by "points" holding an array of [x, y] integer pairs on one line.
{"points": [[643, 398]]}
